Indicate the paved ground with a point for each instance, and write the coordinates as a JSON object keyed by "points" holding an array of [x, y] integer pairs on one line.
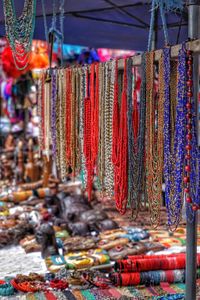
{"points": [[14, 260]]}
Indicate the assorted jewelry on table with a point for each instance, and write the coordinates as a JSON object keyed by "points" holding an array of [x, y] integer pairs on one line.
{"points": [[102, 124]]}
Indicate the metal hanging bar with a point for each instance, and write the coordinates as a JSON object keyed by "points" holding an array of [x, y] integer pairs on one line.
{"points": [[191, 45], [191, 228]]}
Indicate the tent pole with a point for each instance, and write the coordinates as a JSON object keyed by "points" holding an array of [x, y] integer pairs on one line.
{"points": [[191, 228]]}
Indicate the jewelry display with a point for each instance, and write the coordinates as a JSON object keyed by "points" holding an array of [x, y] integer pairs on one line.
{"points": [[126, 133]]}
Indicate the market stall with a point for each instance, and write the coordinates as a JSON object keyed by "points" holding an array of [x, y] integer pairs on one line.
{"points": [[127, 129]]}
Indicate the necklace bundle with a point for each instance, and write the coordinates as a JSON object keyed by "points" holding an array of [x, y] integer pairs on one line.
{"points": [[192, 155], [20, 30], [41, 112], [68, 116], [53, 113], [88, 137], [101, 150], [82, 74], [136, 139], [140, 180], [121, 166], [173, 151], [154, 137], [108, 117]]}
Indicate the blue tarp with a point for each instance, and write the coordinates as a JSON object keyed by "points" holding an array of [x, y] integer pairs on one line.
{"points": [[119, 24]]}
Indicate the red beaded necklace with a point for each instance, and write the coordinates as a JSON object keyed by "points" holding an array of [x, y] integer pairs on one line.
{"points": [[121, 150], [135, 108], [95, 112]]}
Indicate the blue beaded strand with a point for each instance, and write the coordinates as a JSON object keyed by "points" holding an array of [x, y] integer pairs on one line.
{"points": [[174, 159]]}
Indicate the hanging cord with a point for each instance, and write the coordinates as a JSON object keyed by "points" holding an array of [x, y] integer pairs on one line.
{"points": [[45, 21], [162, 13], [179, 29], [53, 33], [164, 6], [62, 11], [151, 25]]}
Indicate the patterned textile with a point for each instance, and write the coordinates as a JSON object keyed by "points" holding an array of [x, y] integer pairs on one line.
{"points": [[77, 260]]}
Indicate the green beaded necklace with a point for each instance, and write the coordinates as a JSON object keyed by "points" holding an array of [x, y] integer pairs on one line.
{"points": [[20, 30]]}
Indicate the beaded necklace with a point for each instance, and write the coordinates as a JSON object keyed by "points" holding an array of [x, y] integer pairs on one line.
{"points": [[121, 167], [81, 122], [132, 150], [192, 155], [40, 112], [101, 151], [109, 100], [140, 185], [95, 116], [78, 161], [73, 124], [87, 136], [63, 125], [68, 117], [174, 158], [20, 30], [47, 120], [154, 138], [58, 122], [53, 112]]}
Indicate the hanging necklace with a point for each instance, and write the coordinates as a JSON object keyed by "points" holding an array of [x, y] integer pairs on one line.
{"points": [[47, 126], [174, 156], [154, 127], [87, 134], [73, 123], [95, 112], [121, 166], [41, 111], [62, 122], [68, 116], [192, 153], [101, 156], [132, 144], [82, 72], [20, 30], [109, 100], [53, 112], [140, 180], [101, 150]]}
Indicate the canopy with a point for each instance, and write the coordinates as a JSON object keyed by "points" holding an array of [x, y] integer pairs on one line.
{"points": [[119, 24]]}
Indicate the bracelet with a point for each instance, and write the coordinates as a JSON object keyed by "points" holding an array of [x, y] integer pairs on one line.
{"points": [[58, 284], [6, 289], [69, 295], [50, 296]]}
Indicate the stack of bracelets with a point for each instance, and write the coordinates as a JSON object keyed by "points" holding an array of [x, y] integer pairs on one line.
{"points": [[153, 262], [147, 270]]}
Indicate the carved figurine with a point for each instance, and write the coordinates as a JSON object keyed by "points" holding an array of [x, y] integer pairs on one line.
{"points": [[20, 163], [46, 237]]}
